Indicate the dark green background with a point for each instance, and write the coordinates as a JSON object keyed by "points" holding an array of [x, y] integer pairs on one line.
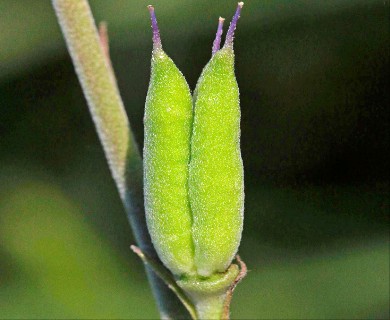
{"points": [[313, 77]]}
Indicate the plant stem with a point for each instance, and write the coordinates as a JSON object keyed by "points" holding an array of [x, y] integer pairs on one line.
{"points": [[113, 128], [210, 307]]}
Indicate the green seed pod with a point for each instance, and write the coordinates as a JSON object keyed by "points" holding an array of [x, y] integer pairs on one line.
{"points": [[216, 184], [168, 122]]}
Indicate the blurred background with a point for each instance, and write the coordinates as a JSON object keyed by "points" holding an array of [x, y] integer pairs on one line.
{"points": [[314, 84]]}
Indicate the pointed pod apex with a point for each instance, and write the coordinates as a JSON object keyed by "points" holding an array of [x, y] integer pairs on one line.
{"points": [[156, 31], [233, 24], [217, 41]]}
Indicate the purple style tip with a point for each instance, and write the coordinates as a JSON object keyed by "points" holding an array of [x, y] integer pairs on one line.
{"points": [[156, 32], [217, 41], [233, 24]]}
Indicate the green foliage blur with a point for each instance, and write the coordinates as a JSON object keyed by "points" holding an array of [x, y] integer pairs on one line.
{"points": [[313, 78]]}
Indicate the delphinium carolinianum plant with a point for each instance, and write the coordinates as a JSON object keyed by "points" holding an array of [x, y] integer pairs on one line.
{"points": [[185, 198]]}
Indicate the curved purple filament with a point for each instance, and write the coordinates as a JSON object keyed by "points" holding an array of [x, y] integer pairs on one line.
{"points": [[217, 41], [233, 24], [156, 32]]}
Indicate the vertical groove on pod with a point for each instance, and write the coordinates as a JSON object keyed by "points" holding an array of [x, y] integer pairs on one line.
{"points": [[215, 48]]}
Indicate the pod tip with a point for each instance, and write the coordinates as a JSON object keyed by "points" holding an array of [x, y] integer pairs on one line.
{"points": [[156, 31], [233, 24], [217, 41]]}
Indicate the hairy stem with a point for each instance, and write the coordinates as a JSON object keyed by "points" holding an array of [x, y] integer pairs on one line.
{"points": [[113, 128]]}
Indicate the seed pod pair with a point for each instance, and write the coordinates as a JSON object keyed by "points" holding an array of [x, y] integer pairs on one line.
{"points": [[193, 172]]}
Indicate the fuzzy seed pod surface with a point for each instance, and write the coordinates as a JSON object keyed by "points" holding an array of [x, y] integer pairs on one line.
{"points": [[167, 121], [193, 171], [216, 184]]}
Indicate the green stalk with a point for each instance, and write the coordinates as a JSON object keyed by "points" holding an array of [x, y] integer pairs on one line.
{"points": [[210, 307], [113, 128]]}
